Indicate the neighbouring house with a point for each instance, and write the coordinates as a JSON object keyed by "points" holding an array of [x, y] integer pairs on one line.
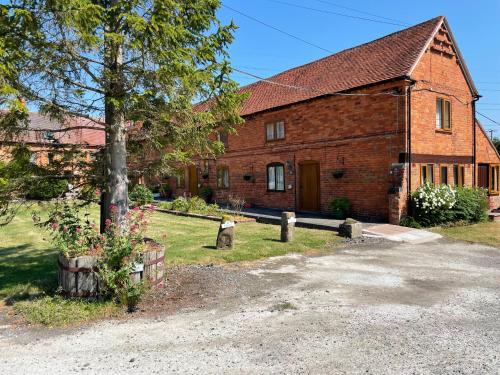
{"points": [[48, 138], [371, 123]]}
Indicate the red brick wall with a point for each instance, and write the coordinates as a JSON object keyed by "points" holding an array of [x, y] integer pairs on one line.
{"points": [[440, 76], [363, 135]]}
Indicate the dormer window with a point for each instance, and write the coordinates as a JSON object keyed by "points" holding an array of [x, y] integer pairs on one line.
{"points": [[275, 131], [48, 136]]}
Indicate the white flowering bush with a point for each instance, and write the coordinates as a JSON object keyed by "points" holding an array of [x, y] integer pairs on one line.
{"points": [[433, 204]]}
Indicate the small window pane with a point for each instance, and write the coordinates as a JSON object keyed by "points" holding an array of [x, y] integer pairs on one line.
{"points": [[270, 132], [280, 177], [447, 115], [439, 117], [226, 177], [444, 175], [271, 180], [280, 130], [430, 173]]}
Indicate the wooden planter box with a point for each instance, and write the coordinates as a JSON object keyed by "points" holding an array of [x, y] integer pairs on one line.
{"points": [[78, 275]]}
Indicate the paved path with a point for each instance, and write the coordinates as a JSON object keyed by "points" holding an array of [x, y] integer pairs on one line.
{"points": [[304, 220], [400, 234], [387, 309]]}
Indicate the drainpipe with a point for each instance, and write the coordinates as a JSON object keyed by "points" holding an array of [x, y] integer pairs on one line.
{"points": [[295, 171], [474, 146], [408, 155]]}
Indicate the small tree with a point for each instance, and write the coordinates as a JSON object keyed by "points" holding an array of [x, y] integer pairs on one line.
{"points": [[119, 63]]}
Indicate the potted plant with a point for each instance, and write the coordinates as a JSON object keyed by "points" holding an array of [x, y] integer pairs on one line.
{"points": [[206, 193], [340, 207], [118, 263], [166, 191]]}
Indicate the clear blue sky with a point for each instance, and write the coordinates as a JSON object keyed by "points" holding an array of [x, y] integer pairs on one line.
{"points": [[264, 52]]}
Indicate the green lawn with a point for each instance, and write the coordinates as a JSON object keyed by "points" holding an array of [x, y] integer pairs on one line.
{"points": [[28, 271], [487, 233]]}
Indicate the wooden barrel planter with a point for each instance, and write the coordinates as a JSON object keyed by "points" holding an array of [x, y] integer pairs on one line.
{"points": [[152, 268], [77, 276]]}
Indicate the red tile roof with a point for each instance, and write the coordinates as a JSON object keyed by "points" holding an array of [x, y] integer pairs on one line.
{"points": [[79, 136], [392, 56]]}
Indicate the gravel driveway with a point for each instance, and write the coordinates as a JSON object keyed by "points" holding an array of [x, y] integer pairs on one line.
{"points": [[376, 309]]}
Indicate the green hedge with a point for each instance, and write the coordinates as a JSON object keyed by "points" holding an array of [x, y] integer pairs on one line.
{"points": [[46, 189], [140, 195]]}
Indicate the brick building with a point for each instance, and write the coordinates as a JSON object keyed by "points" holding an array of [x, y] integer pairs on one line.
{"points": [[48, 138], [371, 123]]}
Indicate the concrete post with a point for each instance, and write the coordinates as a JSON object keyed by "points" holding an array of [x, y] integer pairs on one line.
{"points": [[287, 226]]}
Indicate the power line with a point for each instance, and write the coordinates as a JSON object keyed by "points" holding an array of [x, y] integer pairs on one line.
{"points": [[360, 11], [488, 118], [259, 68], [260, 79], [335, 13], [275, 28]]}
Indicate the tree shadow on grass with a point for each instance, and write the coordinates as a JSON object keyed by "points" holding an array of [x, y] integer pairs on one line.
{"points": [[26, 273], [272, 240], [210, 247]]}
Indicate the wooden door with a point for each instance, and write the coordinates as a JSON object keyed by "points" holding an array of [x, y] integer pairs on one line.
{"points": [[193, 180], [309, 194], [483, 176]]}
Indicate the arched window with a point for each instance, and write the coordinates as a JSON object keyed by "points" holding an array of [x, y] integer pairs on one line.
{"points": [[276, 177]]}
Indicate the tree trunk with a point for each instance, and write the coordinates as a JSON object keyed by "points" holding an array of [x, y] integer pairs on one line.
{"points": [[115, 179]]}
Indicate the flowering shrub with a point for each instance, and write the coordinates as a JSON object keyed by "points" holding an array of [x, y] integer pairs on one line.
{"points": [[432, 204], [122, 248], [71, 234], [442, 204]]}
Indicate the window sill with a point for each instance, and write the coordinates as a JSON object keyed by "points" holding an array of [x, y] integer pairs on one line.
{"points": [[276, 191], [443, 131], [493, 193], [275, 140]]}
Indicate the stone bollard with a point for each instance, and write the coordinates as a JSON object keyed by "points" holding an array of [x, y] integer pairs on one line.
{"points": [[225, 237], [351, 228], [287, 226]]}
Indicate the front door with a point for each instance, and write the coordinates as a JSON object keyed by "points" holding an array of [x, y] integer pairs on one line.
{"points": [[193, 180], [309, 186], [483, 176]]}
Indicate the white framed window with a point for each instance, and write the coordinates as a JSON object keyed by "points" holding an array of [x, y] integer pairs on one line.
{"points": [[276, 177], [275, 130], [223, 177]]}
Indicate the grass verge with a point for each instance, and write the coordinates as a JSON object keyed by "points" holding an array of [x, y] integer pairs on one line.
{"points": [[28, 270], [487, 233]]}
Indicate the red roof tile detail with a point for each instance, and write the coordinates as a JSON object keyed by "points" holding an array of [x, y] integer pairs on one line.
{"points": [[386, 58], [78, 136]]}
